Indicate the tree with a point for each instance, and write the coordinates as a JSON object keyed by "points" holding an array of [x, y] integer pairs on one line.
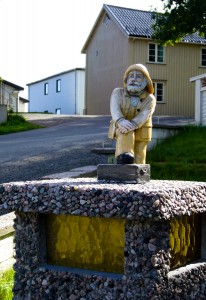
{"points": [[180, 18]]}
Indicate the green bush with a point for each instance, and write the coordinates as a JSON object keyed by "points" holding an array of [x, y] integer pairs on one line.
{"points": [[14, 119], [16, 123]]}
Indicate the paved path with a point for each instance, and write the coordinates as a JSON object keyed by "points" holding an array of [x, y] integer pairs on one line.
{"points": [[52, 120], [58, 148], [166, 121]]}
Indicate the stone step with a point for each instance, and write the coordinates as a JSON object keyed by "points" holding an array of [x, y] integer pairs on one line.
{"points": [[6, 240]]}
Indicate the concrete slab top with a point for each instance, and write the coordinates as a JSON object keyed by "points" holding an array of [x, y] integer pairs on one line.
{"points": [[6, 223]]}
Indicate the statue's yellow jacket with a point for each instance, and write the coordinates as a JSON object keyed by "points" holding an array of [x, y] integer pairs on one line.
{"points": [[140, 113]]}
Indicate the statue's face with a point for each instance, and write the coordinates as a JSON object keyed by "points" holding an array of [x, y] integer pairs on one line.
{"points": [[136, 82]]}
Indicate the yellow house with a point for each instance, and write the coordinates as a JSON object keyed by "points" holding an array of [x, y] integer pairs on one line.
{"points": [[121, 37]]}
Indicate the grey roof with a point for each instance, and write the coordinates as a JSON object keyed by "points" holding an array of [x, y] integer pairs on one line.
{"points": [[56, 75], [137, 23], [23, 100], [15, 86]]}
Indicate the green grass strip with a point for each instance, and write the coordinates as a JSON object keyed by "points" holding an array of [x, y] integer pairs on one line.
{"points": [[16, 123], [6, 284], [181, 157]]}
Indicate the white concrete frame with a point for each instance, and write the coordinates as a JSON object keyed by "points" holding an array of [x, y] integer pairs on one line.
{"points": [[199, 90]]}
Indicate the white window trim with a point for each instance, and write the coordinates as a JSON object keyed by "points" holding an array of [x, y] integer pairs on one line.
{"points": [[155, 92], [58, 87], [203, 48], [46, 90], [156, 53]]}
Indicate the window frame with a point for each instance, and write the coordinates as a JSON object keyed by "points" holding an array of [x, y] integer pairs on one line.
{"points": [[46, 88], [155, 83], [201, 57], [58, 85], [156, 56]]}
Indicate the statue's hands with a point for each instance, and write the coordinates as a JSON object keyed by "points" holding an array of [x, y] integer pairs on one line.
{"points": [[126, 126]]}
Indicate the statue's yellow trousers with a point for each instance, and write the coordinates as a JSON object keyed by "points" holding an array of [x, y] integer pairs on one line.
{"points": [[128, 142]]}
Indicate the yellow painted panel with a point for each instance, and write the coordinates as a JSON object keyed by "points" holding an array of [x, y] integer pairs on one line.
{"points": [[87, 243], [185, 238]]}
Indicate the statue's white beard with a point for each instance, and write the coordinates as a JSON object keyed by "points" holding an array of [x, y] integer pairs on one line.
{"points": [[135, 87]]}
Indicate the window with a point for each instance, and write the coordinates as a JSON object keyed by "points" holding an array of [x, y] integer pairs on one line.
{"points": [[156, 53], [58, 85], [159, 91], [203, 58], [46, 88]]}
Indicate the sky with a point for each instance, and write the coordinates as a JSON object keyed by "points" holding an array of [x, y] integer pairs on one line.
{"points": [[40, 38]]}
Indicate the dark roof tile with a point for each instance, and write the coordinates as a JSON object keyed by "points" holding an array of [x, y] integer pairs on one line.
{"points": [[194, 38], [138, 23]]}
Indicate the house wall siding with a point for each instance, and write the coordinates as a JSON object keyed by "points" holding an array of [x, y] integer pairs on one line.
{"points": [[7, 98], [80, 92], [181, 61], [23, 107], [107, 59], [116, 52]]}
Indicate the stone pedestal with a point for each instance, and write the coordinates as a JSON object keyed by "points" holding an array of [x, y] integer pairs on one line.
{"points": [[135, 173], [85, 239]]}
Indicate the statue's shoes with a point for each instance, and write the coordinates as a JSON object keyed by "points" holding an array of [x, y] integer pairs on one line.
{"points": [[125, 158]]}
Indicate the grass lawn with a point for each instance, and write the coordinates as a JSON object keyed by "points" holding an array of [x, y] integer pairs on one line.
{"points": [[6, 284], [181, 157], [16, 123]]}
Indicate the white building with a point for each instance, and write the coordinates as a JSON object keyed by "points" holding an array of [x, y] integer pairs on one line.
{"points": [[9, 96], [62, 93], [200, 99]]}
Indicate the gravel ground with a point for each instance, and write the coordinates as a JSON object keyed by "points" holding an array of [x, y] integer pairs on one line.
{"points": [[30, 169]]}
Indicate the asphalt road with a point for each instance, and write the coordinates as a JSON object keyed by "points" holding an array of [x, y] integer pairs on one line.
{"points": [[64, 144]]}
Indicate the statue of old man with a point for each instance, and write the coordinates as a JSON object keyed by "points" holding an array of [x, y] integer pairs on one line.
{"points": [[131, 108]]}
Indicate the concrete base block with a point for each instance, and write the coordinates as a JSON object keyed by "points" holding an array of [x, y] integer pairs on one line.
{"points": [[135, 173]]}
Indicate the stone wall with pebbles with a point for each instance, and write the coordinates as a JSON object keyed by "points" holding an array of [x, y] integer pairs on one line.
{"points": [[147, 210]]}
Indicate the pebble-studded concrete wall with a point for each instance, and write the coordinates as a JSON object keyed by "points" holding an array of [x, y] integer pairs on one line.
{"points": [[147, 210]]}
